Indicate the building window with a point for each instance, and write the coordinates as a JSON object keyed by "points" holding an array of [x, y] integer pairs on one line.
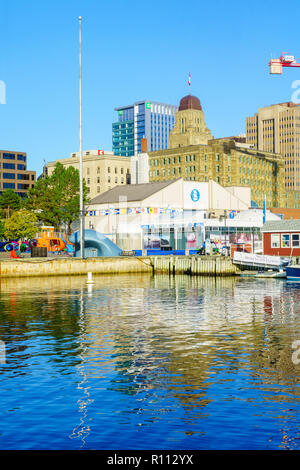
{"points": [[285, 240], [108, 170], [9, 156], [9, 176], [116, 171], [295, 240], [116, 180], [275, 240], [98, 179], [12, 166], [98, 170], [98, 189]]}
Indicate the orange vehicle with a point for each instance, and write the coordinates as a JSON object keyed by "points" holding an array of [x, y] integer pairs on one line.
{"points": [[54, 241]]}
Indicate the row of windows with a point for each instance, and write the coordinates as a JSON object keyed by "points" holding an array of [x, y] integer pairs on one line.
{"points": [[12, 156], [285, 240], [168, 161], [108, 170], [13, 186], [108, 180]]}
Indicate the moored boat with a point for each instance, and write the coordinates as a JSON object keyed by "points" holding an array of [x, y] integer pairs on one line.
{"points": [[293, 273], [274, 274]]}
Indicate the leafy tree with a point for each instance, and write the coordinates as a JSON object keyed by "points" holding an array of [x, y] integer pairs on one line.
{"points": [[55, 198], [21, 225], [2, 228], [10, 202]]}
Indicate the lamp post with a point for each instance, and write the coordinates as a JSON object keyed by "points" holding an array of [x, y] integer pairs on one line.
{"points": [[80, 154]]}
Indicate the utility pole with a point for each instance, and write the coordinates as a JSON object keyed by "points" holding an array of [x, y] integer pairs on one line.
{"points": [[80, 154]]}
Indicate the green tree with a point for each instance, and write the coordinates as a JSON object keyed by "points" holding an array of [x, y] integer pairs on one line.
{"points": [[10, 202], [21, 225], [2, 229], [55, 198]]}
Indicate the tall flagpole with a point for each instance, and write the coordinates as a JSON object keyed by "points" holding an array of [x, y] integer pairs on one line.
{"points": [[80, 154]]}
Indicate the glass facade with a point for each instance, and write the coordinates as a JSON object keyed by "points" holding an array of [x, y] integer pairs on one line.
{"points": [[123, 138], [145, 119]]}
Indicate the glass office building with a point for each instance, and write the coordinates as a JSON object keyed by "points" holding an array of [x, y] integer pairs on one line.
{"points": [[143, 119]]}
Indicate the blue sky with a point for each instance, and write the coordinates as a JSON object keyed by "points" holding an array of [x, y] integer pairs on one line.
{"points": [[135, 50]]}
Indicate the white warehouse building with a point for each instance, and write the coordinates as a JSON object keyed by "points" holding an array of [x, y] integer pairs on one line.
{"points": [[164, 215]]}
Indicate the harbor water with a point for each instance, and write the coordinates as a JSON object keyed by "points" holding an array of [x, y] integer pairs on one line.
{"points": [[136, 361]]}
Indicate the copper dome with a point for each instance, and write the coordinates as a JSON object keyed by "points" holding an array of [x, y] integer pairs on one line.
{"points": [[189, 102]]}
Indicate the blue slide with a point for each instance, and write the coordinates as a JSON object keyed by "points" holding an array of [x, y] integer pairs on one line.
{"points": [[69, 246], [95, 244]]}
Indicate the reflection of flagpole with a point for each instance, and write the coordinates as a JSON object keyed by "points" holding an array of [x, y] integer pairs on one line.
{"points": [[264, 211]]}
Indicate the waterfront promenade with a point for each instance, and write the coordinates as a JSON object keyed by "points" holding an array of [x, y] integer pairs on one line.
{"points": [[194, 265]]}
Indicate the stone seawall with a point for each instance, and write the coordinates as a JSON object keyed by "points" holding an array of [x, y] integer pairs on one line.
{"points": [[193, 265], [73, 266]]}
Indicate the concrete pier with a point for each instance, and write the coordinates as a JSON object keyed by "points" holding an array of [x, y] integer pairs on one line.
{"points": [[192, 265], [74, 266]]}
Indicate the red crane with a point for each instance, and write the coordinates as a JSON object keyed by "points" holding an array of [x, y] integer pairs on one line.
{"points": [[285, 60]]}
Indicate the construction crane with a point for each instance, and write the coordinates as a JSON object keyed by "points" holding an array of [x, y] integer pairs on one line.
{"points": [[285, 60]]}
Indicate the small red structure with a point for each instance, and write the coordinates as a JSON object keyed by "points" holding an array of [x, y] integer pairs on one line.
{"points": [[13, 254], [281, 238], [241, 247]]}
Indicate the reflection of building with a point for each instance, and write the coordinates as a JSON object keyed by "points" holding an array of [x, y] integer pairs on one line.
{"points": [[194, 156], [143, 119], [101, 170], [14, 174], [281, 238], [276, 128]]}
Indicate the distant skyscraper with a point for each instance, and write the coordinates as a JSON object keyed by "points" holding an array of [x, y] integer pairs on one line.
{"points": [[276, 128], [143, 119]]}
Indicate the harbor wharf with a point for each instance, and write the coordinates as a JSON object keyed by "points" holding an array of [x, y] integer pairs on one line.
{"points": [[192, 265]]}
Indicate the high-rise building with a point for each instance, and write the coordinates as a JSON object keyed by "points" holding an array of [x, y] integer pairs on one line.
{"points": [[143, 119], [14, 174], [276, 128]]}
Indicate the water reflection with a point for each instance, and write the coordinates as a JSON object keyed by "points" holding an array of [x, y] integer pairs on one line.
{"points": [[185, 361]]}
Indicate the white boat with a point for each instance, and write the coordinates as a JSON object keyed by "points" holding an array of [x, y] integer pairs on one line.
{"points": [[274, 274]]}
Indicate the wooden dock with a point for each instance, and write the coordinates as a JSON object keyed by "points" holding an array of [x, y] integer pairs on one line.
{"points": [[195, 265]]}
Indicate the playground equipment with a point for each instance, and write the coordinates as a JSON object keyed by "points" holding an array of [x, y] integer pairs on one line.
{"points": [[54, 242], [95, 244]]}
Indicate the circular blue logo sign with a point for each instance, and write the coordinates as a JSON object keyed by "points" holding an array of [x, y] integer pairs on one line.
{"points": [[195, 195]]}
